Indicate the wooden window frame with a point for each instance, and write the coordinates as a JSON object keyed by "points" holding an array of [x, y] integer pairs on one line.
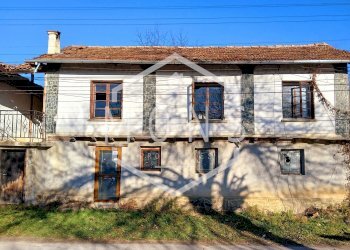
{"points": [[208, 84], [300, 84], [197, 159], [93, 97], [146, 148], [97, 173]]}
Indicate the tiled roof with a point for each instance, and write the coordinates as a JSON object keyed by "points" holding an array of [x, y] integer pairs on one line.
{"points": [[200, 54], [20, 68]]}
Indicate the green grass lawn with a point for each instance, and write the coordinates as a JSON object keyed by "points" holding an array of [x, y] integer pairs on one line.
{"points": [[171, 224]]}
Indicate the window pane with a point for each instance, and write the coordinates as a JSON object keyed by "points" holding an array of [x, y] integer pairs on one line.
{"points": [[100, 104], [107, 187], [206, 160], [287, 101], [107, 162], [200, 101], [116, 97], [115, 105], [151, 159], [99, 113], [100, 87], [115, 113], [296, 101], [215, 102], [116, 87], [306, 102], [116, 94], [100, 96]]}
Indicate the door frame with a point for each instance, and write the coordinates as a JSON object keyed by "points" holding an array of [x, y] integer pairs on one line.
{"points": [[118, 176], [23, 172]]}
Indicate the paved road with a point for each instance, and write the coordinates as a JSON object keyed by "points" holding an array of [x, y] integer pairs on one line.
{"points": [[14, 245]]}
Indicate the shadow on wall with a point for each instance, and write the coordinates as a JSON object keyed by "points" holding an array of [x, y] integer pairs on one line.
{"points": [[156, 208], [77, 162], [74, 179]]}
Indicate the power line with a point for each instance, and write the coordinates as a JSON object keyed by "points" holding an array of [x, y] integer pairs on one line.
{"points": [[170, 18], [179, 7], [255, 43], [183, 23]]}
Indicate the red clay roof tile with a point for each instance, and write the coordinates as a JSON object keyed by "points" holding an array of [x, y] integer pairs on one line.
{"points": [[200, 54]]}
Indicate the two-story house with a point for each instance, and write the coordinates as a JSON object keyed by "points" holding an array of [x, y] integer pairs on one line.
{"points": [[230, 126]]}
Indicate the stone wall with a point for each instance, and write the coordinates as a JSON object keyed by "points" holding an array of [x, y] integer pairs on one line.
{"points": [[342, 99], [51, 101], [247, 101], [149, 103]]}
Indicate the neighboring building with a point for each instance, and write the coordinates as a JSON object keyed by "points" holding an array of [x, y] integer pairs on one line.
{"points": [[281, 101], [21, 128]]}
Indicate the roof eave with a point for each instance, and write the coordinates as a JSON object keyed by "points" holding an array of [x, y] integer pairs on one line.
{"points": [[199, 62]]}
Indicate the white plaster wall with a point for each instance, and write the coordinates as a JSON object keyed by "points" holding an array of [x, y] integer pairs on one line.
{"points": [[253, 177], [62, 172], [173, 103], [268, 102], [13, 99], [73, 113]]}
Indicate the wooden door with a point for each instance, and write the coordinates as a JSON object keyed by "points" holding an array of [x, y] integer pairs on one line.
{"points": [[12, 176], [107, 173]]}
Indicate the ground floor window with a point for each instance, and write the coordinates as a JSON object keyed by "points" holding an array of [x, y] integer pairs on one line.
{"points": [[107, 173], [150, 158], [206, 159], [292, 161]]}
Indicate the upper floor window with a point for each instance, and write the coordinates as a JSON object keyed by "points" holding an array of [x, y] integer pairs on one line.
{"points": [[106, 100], [208, 97], [297, 100]]}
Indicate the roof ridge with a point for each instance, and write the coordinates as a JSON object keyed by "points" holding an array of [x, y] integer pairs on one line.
{"points": [[206, 46]]}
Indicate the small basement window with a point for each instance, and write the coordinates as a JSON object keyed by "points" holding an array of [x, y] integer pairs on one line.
{"points": [[106, 100], [151, 158], [206, 159], [292, 161], [208, 97], [297, 100]]}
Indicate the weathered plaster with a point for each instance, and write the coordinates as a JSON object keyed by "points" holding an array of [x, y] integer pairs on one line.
{"points": [[66, 172]]}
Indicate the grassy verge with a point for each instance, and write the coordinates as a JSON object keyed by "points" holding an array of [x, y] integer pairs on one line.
{"points": [[171, 224]]}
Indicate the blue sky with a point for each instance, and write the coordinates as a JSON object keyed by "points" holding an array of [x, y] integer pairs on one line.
{"points": [[106, 22]]}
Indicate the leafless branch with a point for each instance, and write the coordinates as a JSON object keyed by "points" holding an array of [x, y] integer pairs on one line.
{"points": [[155, 37]]}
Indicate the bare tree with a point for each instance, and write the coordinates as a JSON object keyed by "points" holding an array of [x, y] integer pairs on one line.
{"points": [[156, 37], [178, 39]]}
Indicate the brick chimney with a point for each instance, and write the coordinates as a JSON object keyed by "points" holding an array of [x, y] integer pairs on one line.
{"points": [[54, 46]]}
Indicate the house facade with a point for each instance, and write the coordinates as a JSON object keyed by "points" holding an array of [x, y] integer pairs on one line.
{"points": [[21, 128], [226, 126]]}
